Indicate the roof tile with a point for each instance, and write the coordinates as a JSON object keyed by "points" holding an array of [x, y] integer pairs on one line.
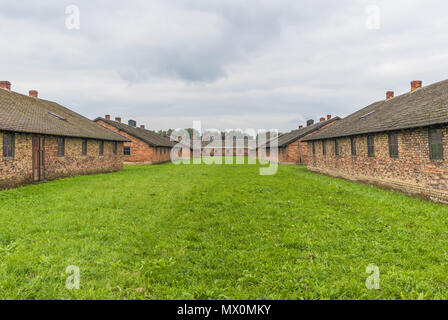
{"points": [[288, 138], [21, 113], [423, 107], [150, 137]]}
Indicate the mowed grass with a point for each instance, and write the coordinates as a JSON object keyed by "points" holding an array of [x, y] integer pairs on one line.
{"points": [[219, 232]]}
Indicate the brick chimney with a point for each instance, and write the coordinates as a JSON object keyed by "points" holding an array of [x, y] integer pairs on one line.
{"points": [[328, 116], [107, 116], [118, 119], [33, 93], [300, 127], [5, 85], [416, 85], [142, 126], [389, 95], [322, 119]]}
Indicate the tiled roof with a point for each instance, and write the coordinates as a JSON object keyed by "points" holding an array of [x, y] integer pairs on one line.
{"points": [[21, 113], [424, 107], [288, 138], [150, 137]]}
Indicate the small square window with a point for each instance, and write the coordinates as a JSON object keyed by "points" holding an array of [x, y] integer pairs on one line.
{"points": [[371, 145], [84, 147], [393, 145], [353, 145], [127, 151], [436, 144], [8, 145], [61, 147], [101, 148]]}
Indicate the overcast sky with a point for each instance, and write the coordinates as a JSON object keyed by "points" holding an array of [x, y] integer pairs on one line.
{"points": [[229, 63]]}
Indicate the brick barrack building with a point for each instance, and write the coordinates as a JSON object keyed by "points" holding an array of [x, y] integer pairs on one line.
{"points": [[291, 148], [144, 146], [42, 140], [400, 143]]}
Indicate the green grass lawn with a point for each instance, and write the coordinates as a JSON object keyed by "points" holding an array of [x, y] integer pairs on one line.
{"points": [[219, 232]]}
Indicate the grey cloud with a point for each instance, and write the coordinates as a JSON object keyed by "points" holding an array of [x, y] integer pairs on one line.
{"points": [[254, 64], [236, 36]]}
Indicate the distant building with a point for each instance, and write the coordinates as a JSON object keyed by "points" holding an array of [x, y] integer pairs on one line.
{"points": [[400, 143], [42, 140], [144, 146], [291, 148], [228, 147]]}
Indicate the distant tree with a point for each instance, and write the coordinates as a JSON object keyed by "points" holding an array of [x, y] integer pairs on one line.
{"points": [[166, 133], [193, 132]]}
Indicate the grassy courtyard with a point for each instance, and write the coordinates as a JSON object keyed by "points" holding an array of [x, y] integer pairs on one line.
{"points": [[219, 232]]}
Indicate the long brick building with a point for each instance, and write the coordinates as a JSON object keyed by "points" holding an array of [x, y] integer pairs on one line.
{"points": [[228, 147], [399, 143], [42, 140], [143, 146], [291, 148]]}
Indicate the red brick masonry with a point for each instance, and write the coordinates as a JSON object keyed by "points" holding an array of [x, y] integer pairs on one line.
{"points": [[296, 152], [141, 152], [413, 172], [18, 170]]}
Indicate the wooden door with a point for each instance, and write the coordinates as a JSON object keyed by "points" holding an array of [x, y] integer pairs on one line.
{"points": [[41, 157], [36, 158]]}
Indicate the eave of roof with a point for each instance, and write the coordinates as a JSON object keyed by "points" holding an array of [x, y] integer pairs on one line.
{"points": [[290, 137], [152, 138], [24, 114], [427, 106]]}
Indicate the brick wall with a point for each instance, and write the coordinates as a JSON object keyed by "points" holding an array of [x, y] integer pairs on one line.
{"points": [[303, 147], [291, 153], [18, 170], [74, 163], [307, 156], [160, 155], [413, 172], [286, 155], [296, 152], [141, 152]]}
